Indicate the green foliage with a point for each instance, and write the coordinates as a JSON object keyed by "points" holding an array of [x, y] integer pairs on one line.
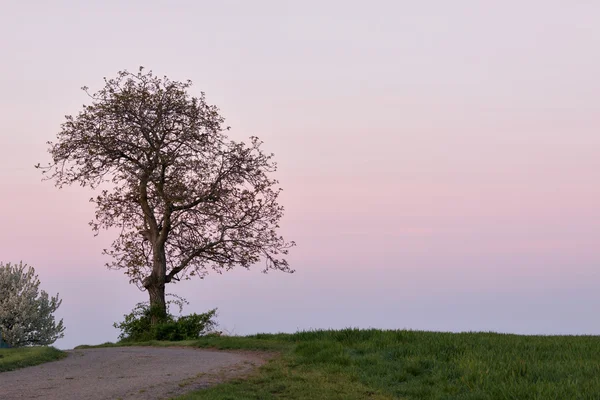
{"points": [[186, 327], [137, 326], [410, 365], [413, 365], [11, 359]]}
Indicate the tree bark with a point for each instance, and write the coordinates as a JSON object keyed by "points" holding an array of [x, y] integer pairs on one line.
{"points": [[155, 285], [158, 305]]}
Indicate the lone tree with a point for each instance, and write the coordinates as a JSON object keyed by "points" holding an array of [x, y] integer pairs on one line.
{"points": [[26, 314], [183, 196]]}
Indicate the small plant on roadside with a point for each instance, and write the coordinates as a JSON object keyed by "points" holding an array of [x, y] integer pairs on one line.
{"points": [[137, 325], [26, 312], [15, 358]]}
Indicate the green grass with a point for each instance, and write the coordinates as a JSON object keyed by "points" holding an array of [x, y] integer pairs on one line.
{"points": [[27, 356], [373, 364]]}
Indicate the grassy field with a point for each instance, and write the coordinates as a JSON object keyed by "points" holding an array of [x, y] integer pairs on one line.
{"points": [[373, 364], [26, 356]]}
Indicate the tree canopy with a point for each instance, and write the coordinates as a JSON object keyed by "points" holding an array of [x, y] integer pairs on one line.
{"points": [[185, 198]]}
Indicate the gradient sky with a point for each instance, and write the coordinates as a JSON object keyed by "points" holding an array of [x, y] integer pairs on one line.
{"points": [[440, 160]]}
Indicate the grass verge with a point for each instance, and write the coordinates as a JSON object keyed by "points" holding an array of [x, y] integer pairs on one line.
{"points": [[11, 359], [373, 364]]}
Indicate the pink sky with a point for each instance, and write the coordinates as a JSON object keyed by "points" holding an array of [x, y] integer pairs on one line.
{"points": [[440, 160]]}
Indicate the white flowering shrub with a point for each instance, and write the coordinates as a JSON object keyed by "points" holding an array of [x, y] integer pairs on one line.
{"points": [[26, 313]]}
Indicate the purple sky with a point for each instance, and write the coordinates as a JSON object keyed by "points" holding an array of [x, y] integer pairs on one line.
{"points": [[440, 160]]}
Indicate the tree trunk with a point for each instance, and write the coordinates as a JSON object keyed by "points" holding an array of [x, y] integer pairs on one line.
{"points": [[158, 305], [155, 285]]}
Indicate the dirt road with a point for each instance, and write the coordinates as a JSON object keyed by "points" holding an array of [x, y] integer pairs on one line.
{"points": [[125, 373]]}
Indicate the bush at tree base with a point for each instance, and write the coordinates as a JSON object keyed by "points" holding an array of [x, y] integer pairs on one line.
{"points": [[137, 326]]}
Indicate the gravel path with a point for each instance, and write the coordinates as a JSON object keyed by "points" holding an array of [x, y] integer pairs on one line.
{"points": [[125, 373]]}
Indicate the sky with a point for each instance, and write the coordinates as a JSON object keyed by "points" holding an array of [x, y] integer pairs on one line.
{"points": [[439, 160]]}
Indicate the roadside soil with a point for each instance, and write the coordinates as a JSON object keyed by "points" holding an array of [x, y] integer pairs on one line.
{"points": [[141, 373]]}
